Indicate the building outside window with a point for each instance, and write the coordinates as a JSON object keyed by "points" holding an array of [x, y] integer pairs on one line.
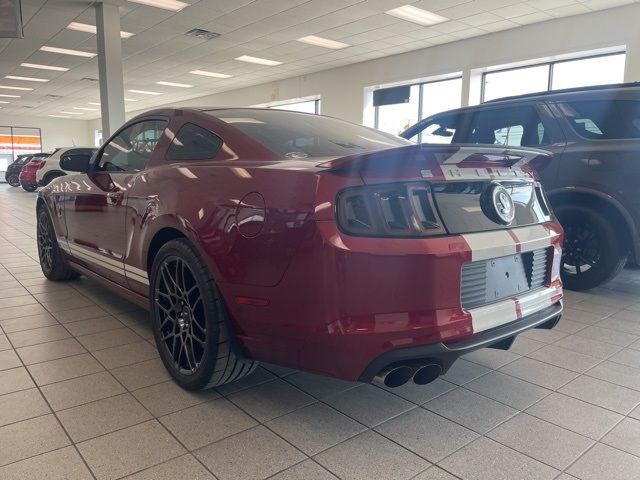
{"points": [[397, 108], [16, 141], [581, 72]]}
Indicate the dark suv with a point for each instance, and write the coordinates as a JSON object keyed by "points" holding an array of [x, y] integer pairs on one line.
{"points": [[593, 179]]}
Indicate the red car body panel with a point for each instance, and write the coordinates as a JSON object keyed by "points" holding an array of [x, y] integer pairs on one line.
{"points": [[28, 173], [300, 292]]}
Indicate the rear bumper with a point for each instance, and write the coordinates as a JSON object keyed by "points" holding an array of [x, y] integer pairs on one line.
{"points": [[446, 353]]}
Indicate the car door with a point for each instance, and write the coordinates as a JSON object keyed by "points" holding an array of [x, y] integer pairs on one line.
{"points": [[95, 202]]}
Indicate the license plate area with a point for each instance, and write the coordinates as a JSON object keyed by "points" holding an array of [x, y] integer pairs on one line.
{"points": [[505, 278]]}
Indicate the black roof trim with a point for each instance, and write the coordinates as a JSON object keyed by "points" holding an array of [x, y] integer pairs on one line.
{"points": [[612, 86]]}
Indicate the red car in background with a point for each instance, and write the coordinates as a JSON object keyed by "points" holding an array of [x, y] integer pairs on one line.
{"points": [[28, 173], [305, 241]]}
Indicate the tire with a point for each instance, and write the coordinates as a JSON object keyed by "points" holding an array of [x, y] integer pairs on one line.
{"points": [[51, 262], [190, 323], [49, 177], [30, 188], [13, 180], [593, 252]]}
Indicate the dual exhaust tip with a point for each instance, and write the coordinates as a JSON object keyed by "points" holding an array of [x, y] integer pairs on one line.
{"points": [[398, 375]]}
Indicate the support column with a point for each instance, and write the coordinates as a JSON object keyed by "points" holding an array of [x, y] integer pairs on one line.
{"points": [[110, 68]]}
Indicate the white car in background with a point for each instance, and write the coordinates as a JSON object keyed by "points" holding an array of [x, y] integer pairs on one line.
{"points": [[51, 168]]}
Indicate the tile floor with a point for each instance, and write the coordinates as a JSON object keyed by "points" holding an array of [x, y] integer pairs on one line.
{"points": [[84, 395]]}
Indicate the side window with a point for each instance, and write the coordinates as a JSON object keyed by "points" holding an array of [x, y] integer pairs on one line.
{"points": [[193, 143], [604, 119], [512, 126], [131, 149], [440, 130]]}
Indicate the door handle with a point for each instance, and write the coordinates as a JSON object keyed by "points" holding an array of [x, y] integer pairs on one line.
{"points": [[115, 197]]}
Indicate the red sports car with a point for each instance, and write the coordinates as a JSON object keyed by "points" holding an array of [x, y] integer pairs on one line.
{"points": [[305, 241]]}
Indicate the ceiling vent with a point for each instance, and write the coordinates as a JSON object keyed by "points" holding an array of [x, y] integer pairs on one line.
{"points": [[90, 79], [51, 95], [203, 34]]}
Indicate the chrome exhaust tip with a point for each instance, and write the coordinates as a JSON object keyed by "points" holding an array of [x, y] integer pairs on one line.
{"points": [[427, 373], [393, 377]]}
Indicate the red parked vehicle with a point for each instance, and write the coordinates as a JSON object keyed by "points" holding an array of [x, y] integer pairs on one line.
{"points": [[301, 240], [28, 173]]}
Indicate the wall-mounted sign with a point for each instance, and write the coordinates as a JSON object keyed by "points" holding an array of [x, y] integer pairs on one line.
{"points": [[11, 19]]}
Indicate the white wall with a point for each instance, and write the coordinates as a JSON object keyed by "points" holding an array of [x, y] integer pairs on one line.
{"points": [[342, 89], [56, 132]]}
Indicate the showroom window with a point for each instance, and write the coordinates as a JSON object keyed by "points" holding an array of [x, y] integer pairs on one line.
{"points": [[309, 106], [397, 108], [16, 141], [132, 148], [581, 72], [193, 143], [604, 119]]}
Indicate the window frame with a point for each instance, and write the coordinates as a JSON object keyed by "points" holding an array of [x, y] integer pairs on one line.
{"points": [[376, 112], [551, 66], [98, 156], [15, 154]]}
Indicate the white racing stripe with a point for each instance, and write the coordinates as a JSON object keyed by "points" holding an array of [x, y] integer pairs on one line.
{"points": [[115, 266], [493, 315], [533, 237], [536, 301], [486, 245]]}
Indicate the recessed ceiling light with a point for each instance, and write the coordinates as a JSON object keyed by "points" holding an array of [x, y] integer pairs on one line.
{"points": [[66, 51], [44, 67], [5, 95], [59, 116], [93, 103], [210, 74], [173, 84], [145, 92], [2, 101], [173, 5], [130, 99], [6, 87], [26, 79], [85, 27], [323, 42], [259, 61], [86, 108], [72, 113], [417, 15]]}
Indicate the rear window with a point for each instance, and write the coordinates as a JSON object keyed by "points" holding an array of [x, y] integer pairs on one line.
{"points": [[298, 135], [604, 119]]}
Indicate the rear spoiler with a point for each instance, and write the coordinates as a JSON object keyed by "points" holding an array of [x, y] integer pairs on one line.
{"points": [[460, 156]]}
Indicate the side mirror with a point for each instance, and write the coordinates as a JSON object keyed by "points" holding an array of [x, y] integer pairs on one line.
{"points": [[77, 162]]}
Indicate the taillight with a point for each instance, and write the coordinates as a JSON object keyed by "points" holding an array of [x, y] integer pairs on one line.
{"points": [[388, 210]]}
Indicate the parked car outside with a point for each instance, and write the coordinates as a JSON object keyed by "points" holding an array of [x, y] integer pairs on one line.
{"points": [[27, 176], [51, 168], [592, 181], [258, 235], [12, 174]]}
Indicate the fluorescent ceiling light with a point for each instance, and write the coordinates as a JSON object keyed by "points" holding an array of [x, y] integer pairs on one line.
{"points": [[85, 27], [4, 95], [259, 61], [210, 74], [86, 108], [323, 42], [2, 101], [44, 67], [6, 87], [66, 51], [173, 5], [173, 84], [93, 103], [417, 15], [130, 99], [59, 116], [72, 113], [26, 79], [145, 92]]}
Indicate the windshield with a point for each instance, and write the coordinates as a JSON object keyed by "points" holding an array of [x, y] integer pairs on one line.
{"points": [[299, 135], [22, 160]]}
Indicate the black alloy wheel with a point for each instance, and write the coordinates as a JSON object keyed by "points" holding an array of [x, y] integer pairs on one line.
{"points": [[180, 309], [593, 252], [30, 187], [52, 264], [13, 180], [191, 325]]}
